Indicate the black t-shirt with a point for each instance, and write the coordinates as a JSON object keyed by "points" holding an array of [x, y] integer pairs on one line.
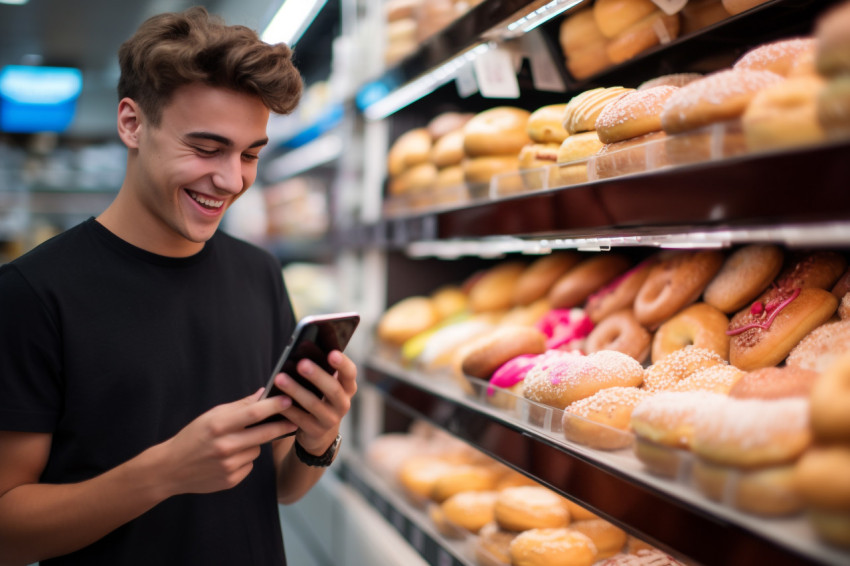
{"points": [[112, 349]]}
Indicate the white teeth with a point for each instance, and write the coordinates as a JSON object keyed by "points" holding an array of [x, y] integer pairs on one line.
{"points": [[206, 202]]}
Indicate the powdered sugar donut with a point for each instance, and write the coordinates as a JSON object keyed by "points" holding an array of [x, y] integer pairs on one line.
{"points": [[565, 379], [777, 56], [674, 79], [821, 347], [679, 365]]}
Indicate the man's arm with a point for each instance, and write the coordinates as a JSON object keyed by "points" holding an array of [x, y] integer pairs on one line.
{"points": [[318, 422], [212, 453]]}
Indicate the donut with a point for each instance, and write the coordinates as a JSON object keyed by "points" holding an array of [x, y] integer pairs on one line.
{"points": [[717, 97], [720, 378], [620, 332], [673, 284], [545, 124], [448, 150], [449, 300], [507, 381], [833, 48], [768, 491], [578, 30], [764, 334], [415, 180], [833, 107], [698, 14], [821, 347], [642, 557], [525, 315], [536, 156], [562, 380], [492, 544], [582, 110], [565, 329], [576, 148], [410, 148], [615, 16], [822, 480], [470, 510], [744, 274], [737, 6], [678, 365], [494, 290], [530, 507], [785, 115], [774, 383], [777, 56], [820, 269], [407, 318], [844, 307], [445, 340], [446, 123], [830, 397], [547, 546], [579, 513], [607, 538], [588, 61], [463, 479], [536, 280], [699, 325], [634, 155], [602, 420], [501, 130], [656, 28], [673, 79], [574, 286], [478, 170], [842, 286], [635, 113], [750, 433], [619, 293], [418, 475], [482, 356], [449, 185]]}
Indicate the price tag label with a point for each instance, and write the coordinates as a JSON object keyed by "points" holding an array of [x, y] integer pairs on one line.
{"points": [[465, 82], [544, 72], [494, 72]]}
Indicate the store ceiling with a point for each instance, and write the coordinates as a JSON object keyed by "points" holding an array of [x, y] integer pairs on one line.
{"points": [[87, 33]]}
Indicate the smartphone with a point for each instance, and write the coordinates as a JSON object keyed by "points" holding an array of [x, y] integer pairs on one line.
{"points": [[314, 338]]}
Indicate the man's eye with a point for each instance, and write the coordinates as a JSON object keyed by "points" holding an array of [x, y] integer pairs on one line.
{"points": [[250, 157], [203, 151]]}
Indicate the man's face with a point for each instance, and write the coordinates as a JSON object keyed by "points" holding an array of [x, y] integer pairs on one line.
{"points": [[197, 162]]}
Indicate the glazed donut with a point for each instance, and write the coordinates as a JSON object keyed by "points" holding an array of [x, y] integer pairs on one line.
{"points": [[492, 544], [719, 378], [620, 332], [478, 170], [752, 433], [822, 481], [463, 478], [498, 131], [565, 329], [573, 287], [407, 318], [829, 399], [446, 123], [545, 124], [543, 547], [607, 538], [470, 510], [411, 148], [821, 347], [418, 475], [674, 79], [541, 274], [673, 284], [530, 507], [767, 491], [656, 28], [642, 557], [679, 365], [494, 289], [590, 60], [445, 340], [615, 16], [578, 30], [603, 418], [577, 147], [833, 49], [482, 356], [764, 334], [579, 513], [785, 114], [699, 325], [562, 380], [777, 56], [721, 96], [635, 113], [618, 294], [448, 150], [775, 383], [745, 273], [583, 109]]}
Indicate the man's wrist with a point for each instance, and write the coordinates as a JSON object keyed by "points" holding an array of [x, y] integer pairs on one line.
{"points": [[318, 460]]}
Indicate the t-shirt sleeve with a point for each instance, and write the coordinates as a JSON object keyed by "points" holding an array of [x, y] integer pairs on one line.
{"points": [[30, 349]]}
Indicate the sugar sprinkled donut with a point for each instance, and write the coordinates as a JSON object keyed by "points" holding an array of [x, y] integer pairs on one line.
{"points": [[673, 79], [557, 382], [619, 293], [603, 418], [583, 109], [543, 547], [635, 113], [775, 383], [492, 545], [620, 332], [607, 538], [821, 347], [830, 398], [745, 273], [679, 365], [674, 283], [530, 507], [844, 307], [720, 378], [699, 325], [777, 56]]}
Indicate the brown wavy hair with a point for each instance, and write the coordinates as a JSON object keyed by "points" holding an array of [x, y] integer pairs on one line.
{"points": [[175, 49]]}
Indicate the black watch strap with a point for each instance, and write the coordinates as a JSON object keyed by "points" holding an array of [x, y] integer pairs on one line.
{"points": [[322, 461]]}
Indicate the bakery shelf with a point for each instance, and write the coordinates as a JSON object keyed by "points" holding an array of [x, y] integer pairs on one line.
{"points": [[614, 484]]}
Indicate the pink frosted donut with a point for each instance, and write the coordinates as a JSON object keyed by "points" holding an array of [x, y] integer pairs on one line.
{"points": [[565, 328]]}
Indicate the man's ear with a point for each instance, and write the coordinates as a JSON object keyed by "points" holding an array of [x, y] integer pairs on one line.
{"points": [[129, 122]]}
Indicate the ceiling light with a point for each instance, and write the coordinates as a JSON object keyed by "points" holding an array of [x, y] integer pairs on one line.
{"points": [[537, 17], [292, 20], [14, 2]]}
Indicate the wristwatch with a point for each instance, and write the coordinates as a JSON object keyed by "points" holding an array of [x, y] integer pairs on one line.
{"points": [[322, 461]]}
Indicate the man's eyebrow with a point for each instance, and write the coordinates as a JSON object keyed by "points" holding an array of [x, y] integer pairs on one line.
{"points": [[227, 142]]}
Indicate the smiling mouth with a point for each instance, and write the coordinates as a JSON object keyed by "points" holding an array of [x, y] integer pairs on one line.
{"points": [[204, 201]]}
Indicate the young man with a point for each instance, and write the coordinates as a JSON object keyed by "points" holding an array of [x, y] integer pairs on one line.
{"points": [[133, 347]]}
